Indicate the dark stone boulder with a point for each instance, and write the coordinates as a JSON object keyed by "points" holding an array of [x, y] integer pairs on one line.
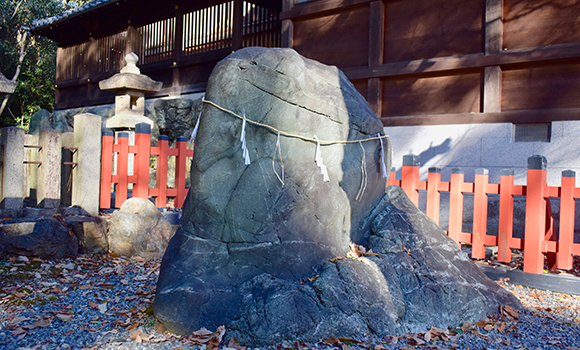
{"points": [[267, 258], [43, 237], [175, 117], [40, 120]]}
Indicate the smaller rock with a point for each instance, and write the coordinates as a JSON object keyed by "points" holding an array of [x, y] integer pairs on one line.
{"points": [[43, 237], [40, 120], [91, 232], [60, 123], [139, 229]]}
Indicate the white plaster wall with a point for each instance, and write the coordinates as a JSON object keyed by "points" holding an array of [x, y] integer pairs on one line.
{"points": [[490, 146]]}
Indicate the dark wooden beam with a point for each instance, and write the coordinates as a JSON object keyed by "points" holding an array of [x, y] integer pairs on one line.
{"points": [[376, 52], [522, 116], [491, 89], [493, 44], [238, 24], [287, 37], [505, 58], [493, 26], [320, 8]]}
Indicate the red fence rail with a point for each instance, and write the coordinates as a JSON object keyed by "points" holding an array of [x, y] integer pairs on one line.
{"points": [[539, 240], [143, 152]]}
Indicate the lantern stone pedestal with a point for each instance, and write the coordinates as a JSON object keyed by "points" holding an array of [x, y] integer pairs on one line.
{"points": [[131, 87]]}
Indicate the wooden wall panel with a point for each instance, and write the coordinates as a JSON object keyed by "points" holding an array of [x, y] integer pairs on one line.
{"points": [[361, 86], [340, 39], [421, 29], [196, 74], [541, 87], [531, 23], [407, 96]]}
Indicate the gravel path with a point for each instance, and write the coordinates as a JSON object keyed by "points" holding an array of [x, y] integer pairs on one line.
{"points": [[104, 303]]}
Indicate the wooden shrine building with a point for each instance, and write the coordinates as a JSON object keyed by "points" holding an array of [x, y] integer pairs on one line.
{"points": [[418, 62]]}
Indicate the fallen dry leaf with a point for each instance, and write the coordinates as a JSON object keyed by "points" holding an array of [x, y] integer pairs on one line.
{"points": [[209, 338], [18, 331], [356, 250], [333, 341], [41, 323], [234, 344], [64, 318]]}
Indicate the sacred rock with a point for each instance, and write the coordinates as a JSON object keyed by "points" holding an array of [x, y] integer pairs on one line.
{"points": [[265, 233]]}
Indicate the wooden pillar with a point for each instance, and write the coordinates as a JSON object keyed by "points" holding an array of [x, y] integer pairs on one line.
{"points": [[493, 26], [178, 46], [287, 39], [133, 43], [376, 52], [493, 44], [238, 24]]}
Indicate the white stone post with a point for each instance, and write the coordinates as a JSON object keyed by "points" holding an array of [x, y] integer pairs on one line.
{"points": [[87, 173], [12, 140], [49, 171]]}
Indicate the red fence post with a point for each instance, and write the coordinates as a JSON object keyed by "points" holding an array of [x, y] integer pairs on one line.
{"points": [[566, 237], [122, 168], [163, 144], [142, 160], [479, 213], [433, 195], [535, 215], [393, 178], [506, 216], [106, 168], [456, 204], [410, 176], [181, 170]]}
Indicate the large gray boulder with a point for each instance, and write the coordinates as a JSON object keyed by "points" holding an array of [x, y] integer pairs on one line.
{"points": [[175, 117], [266, 258], [46, 237]]}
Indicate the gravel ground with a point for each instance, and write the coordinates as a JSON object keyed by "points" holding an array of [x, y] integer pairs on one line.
{"points": [[96, 302]]}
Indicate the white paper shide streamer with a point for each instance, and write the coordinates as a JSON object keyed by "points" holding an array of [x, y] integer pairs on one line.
{"points": [[194, 133], [278, 152], [245, 152], [319, 163], [383, 166]]}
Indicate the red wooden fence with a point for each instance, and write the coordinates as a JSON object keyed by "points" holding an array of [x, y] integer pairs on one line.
{"points": [[141, 165], [539, 239]]}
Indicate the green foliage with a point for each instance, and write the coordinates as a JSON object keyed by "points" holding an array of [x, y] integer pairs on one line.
{"points": [[36, 57]]}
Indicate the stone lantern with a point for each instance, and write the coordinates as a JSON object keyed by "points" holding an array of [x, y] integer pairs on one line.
{"points": [[7, 86], [131, 87]]}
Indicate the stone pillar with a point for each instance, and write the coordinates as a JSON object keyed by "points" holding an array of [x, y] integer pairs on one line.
{"points": [[12, 139], [87, 174], [49, 171]]}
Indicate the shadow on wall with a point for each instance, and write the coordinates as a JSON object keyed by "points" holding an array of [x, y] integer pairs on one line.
{"points": [[434, 151]]}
